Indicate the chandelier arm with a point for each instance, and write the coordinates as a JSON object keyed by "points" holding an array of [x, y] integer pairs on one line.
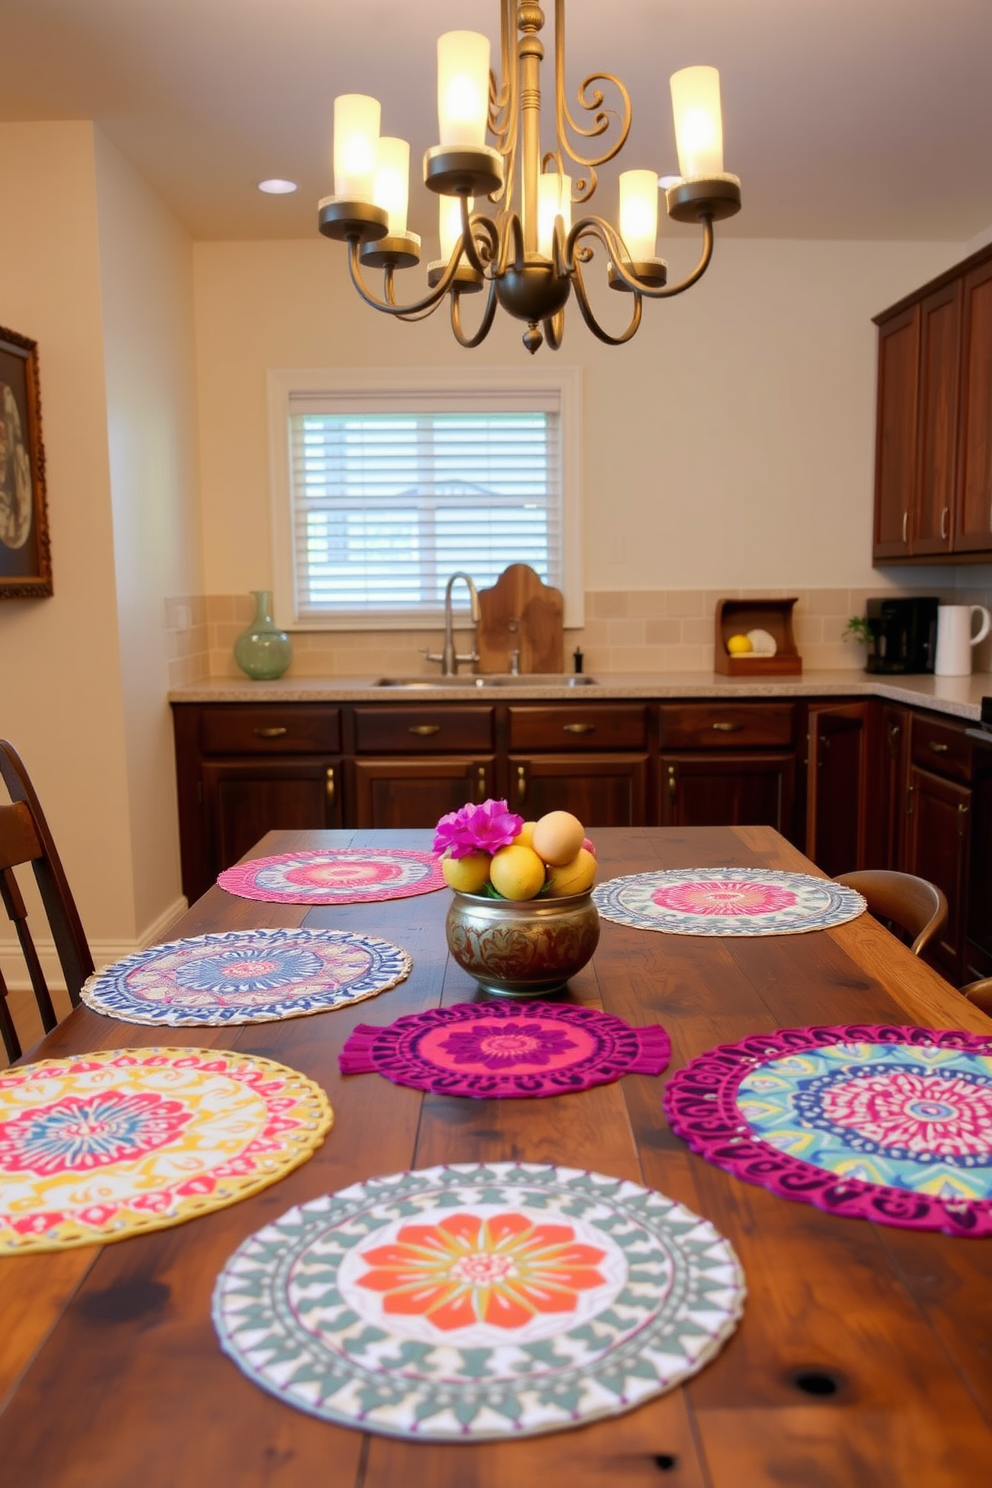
{"points": [[419, 308], [586, 311], [511, 245], [503, 94], [666, 292], [485, 325], [592, 104], [554, 330], [473, 222]]}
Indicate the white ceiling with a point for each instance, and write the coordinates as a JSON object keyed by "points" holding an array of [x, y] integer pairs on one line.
{"points": [[844, 118]]}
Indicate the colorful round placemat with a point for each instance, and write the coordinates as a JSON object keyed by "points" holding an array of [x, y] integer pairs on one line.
{"points": [[336, 875], [478, 1301], [109, 1144], [246, 976], [727, 901], [487, 1049], [874, 1122]]}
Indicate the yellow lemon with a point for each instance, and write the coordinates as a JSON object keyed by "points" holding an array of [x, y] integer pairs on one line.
{"points": [[574, 877], [467, 875], [517, 872], [558, 837], [738, 645], [525, 837]]}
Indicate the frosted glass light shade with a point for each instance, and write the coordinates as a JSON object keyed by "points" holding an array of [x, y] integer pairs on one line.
{"points": [[449, 222], [554, 199], [698, 122], [392, 182], [462, 87], [356, 145], [639, 213]]}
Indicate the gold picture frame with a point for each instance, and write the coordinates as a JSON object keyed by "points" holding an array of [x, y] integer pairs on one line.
{"points": [[25, 547]]}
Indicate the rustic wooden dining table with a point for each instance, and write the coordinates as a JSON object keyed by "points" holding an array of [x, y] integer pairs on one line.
{"points": [[864, 1355]]}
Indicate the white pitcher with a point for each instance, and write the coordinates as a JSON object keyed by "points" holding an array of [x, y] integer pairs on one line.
{"points": [[955, 638]]}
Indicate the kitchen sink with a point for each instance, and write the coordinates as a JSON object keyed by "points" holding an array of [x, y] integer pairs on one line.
{"points": [[494, 679]]}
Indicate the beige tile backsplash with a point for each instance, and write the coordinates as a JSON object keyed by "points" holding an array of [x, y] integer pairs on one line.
{"points": [[643, 631]]}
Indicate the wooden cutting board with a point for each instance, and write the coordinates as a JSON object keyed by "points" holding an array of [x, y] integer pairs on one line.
{"points": [[520, 612]]}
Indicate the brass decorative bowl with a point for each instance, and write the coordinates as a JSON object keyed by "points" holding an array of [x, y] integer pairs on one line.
{"points": [[522, 948]]}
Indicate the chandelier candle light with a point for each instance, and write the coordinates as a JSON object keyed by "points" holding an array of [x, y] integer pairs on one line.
{"points": [[528, 257]]}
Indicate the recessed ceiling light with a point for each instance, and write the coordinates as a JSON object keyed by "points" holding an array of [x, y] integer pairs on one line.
{"points": [[275, 186]]}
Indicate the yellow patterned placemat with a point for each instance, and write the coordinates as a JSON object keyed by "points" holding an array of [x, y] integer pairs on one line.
{"points": [[104, 1145]]}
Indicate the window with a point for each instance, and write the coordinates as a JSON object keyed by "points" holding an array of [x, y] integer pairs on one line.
{"points": [[384, 485]]}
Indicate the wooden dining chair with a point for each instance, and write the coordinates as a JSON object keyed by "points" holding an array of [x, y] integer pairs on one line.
{"points": [[913, 905], [980, 993], [25, 838]]}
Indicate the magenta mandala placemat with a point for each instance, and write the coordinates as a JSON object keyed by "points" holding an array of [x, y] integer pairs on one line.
{"points": [[727, 901], [873, 1122], [336, 875], [490, 1049]]}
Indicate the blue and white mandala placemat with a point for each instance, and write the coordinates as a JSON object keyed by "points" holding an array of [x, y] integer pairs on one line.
{"points": [[478, 1301], [246, 976], [727, 901]]}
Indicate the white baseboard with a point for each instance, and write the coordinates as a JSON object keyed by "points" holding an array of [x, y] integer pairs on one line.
{"points": [[104, 952]]}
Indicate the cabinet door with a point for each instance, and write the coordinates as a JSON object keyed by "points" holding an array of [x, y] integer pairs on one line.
{"points": [[895, 440], [931, 525], [889, 802], [938, 843], [602, 790], [418, 792], [242, 799], [973, 517], [837, 786], [729, 790]]}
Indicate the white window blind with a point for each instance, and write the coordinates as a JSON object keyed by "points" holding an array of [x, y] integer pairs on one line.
{"points": [[392, 491]]}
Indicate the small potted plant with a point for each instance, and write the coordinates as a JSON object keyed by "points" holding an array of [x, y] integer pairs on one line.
{"points": [[865, 633], [522, 920]]}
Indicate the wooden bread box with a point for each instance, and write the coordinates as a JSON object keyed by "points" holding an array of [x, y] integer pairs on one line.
{"points": [[737, 617]]}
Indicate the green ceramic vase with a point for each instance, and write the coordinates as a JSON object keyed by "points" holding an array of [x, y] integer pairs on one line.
{"points": [[263, 651]]}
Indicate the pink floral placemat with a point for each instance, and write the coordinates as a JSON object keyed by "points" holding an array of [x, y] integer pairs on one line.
{"points": [[873, 1122], [489, 1049], [727, 901], [105, 1145], [478, 1301], [338, 875]]}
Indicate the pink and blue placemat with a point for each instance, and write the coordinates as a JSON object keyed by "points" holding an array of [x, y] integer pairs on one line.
{"points": [[873, 1122], [109, 1144], [491, 1049], [478, 1301], [338, 875], [246, 976], [727, 901]]}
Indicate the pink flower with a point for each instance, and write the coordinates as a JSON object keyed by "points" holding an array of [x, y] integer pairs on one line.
{"points": [[475, 829]]}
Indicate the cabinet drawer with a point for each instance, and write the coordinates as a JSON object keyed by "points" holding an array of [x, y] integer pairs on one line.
{"points": [[720, 725], [941, 747], [270, 729], [579, 726], [422, 730]]}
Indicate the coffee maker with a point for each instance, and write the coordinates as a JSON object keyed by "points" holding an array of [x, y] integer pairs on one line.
{"points": [[903, 635]]}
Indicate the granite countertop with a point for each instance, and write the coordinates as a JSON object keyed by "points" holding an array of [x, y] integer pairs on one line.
{"points": [[959, 696]]}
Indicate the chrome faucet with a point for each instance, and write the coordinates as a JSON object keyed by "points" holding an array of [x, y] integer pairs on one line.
{"points": [[449, 657]]}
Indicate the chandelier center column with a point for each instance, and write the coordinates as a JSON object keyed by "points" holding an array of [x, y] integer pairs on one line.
{"points": [[530, 20]]}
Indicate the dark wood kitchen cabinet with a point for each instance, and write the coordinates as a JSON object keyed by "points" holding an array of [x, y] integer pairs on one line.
{"points": [[728, 764], [246, 769], [415, 763], [933, 450], [938, 825], [837, 783], [590, 759]]}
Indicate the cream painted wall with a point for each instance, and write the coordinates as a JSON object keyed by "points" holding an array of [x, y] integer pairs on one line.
{"points": [[147, 300], [730, 444]]}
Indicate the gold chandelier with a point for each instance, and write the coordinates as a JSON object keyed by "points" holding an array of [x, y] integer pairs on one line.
{"points": [[529, 256]]}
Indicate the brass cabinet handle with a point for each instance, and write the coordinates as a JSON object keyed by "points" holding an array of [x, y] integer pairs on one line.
{"points": [[909, 799], [727, 728], [962, 813], [905, 524], [578, 728], [424, 730], [481, 790], [894, 730], [936, 748], [521, 784], [673, 785], [329, 786], [943, 522], [270, 733]]}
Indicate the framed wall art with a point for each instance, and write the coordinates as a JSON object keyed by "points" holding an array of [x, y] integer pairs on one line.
{"points": [[25, 550]]}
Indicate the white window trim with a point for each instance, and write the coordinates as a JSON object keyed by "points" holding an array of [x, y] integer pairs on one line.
{"points": [[282, 381]]}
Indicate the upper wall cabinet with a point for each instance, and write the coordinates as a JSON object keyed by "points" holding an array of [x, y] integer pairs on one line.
{"points": [[933, 452]]}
